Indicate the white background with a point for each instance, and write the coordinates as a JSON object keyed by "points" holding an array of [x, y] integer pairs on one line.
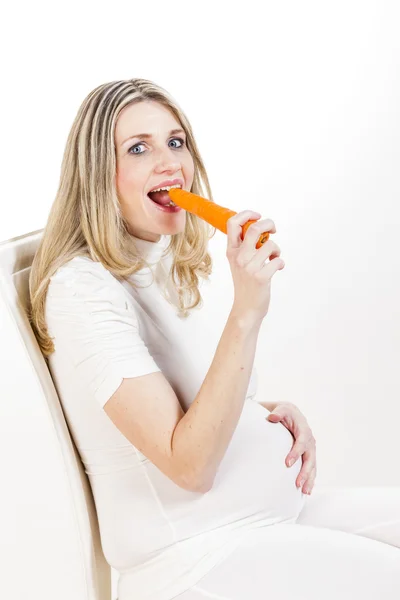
{"points": [[295, 107]]}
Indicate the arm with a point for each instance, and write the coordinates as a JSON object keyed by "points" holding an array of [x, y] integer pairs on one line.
{"points": [[189, 447]]}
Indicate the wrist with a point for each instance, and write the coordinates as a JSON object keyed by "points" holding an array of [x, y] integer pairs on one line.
{"points": [[269, 405], [245, 320]]}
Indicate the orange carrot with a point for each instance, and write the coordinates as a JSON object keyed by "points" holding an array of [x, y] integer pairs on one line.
{"points": [[215, 215]]}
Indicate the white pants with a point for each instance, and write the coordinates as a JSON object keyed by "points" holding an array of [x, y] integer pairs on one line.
{"points": [[345, 545]]}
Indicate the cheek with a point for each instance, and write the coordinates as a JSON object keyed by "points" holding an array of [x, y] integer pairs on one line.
{"points": [[123, 177], [128, 182], [189, 169]]}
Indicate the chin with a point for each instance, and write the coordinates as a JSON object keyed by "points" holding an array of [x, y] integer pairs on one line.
{"points": [[173, 228], [174, 225]]}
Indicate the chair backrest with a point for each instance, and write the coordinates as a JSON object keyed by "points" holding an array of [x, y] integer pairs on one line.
{"points": [[90, 568]]}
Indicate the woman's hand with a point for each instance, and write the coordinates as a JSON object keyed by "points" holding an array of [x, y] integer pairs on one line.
{"points": [[290, 416], [252, 269]]}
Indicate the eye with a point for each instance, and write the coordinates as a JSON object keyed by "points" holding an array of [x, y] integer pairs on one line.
{"points": [[182, 142], [133, 148]]}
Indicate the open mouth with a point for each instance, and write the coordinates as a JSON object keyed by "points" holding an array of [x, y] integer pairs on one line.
{"points": [[163, 201], [162, 198]]}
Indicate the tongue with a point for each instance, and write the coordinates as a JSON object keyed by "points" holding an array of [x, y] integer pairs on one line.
{"points": [[160, 197]]}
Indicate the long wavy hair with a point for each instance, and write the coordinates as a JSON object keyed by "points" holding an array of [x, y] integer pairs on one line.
{"points": [[86, 219]]}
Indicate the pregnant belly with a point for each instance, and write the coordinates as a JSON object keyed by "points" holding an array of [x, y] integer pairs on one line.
{"points": [[253, 486], [253, 480]]}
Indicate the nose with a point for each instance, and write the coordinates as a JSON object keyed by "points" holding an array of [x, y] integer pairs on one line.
{"points": [[167, 161]]}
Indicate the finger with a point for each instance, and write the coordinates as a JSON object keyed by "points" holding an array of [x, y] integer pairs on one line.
{"points": [[255, 230], [285, 415], [309, 485], [268, 251], [234, 227], [299, 447], [309, 463], [305, 473], [249, 251], [275, 417]]}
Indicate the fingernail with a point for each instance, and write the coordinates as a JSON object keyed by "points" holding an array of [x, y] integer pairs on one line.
{"points": [[301, 482], [291, 461]]}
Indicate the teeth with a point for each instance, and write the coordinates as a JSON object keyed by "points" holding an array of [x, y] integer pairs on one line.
{"points": [[167, 188]]}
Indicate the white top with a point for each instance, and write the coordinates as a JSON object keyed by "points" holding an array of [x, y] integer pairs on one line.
{"points": [[161, 538]]}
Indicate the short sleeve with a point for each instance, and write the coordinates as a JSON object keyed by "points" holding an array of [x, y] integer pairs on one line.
{"points": [[91, 320]]}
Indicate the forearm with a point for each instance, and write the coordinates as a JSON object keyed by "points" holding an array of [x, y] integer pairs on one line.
{"points": [[202, 436]]}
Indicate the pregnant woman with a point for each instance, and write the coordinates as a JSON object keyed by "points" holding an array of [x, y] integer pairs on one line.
{"points": [[189, 467]]}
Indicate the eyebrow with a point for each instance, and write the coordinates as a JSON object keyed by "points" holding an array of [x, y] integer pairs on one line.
{"points": [[149, 135]]}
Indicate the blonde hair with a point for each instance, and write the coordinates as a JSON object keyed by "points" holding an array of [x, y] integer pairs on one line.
{"points": [[86, 220]]}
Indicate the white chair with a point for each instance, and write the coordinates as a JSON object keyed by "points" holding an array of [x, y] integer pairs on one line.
{"points": [[87, 569]]}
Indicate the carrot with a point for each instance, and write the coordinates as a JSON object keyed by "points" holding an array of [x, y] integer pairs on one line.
{"points": [[212, 213]]}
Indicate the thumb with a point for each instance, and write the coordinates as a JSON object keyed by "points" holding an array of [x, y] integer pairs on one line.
{"points": [[275, 417]]}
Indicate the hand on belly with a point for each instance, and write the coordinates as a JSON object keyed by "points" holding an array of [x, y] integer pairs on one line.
{"points": [[254, 473]]}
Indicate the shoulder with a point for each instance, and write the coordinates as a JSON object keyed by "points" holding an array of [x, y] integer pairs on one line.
{"points": [[80, 267], [85, 279]]}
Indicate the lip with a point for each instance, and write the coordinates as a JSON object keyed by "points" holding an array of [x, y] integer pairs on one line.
{"points": [[167, 182], [166, 209]]}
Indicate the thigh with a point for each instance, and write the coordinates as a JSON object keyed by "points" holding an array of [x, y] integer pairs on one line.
{"points": [[287, 561], [373, 512]]}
